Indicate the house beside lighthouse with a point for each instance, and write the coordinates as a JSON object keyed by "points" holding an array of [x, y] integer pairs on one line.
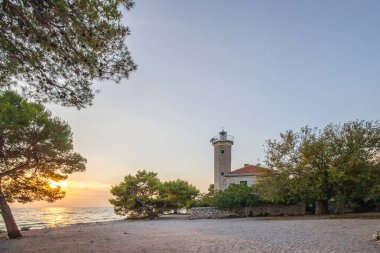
{"points": [[223, 176]]}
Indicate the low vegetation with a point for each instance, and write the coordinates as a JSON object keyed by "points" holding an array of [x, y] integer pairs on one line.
{"points": [[235, 196]]}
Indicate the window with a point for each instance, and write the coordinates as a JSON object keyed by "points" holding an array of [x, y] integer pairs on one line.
{"points": [[222, 173], [222, 151], [243, 182]]}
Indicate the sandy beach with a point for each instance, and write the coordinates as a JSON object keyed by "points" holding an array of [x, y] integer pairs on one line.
{"points": [[173, 234]]}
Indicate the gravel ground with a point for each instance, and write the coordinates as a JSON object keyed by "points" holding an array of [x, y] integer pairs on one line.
{"points": [[180, 235]]}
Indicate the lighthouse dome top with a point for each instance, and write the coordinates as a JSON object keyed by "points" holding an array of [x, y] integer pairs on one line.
{"points": [[223, 136]]}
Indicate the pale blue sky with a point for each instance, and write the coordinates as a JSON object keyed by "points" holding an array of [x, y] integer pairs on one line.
{"points": [[257, 68]]}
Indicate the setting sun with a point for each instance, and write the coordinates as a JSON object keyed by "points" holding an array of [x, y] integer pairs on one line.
{"points": [[54, 184]]}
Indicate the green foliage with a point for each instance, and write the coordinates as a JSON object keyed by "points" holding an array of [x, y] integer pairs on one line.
{"points": [[144, 195], [54, 50], [178, 193], [339, 162], [237, 195], [138, 196], [34, 148], [203, 199], [279, 188], [357, 166]]}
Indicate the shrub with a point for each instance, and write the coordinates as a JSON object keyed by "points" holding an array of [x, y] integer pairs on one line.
{"points": [[237, 195]]}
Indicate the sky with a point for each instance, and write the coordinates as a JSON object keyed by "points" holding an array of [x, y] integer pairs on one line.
{"points": [[256, 68]]}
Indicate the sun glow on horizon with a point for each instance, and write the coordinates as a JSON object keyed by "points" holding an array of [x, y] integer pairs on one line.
{"points": [[79, 193], [54, 184]]}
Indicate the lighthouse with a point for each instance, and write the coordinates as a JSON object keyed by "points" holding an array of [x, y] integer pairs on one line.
{"points": [[222, 158]]}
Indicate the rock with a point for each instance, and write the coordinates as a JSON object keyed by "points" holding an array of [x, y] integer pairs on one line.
{"points": [[376, 236]]}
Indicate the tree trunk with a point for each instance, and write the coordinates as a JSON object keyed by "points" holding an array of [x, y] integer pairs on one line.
{"points": [[5, 211], [12, 229], [150, 213], [148, 209], [321, 207]]}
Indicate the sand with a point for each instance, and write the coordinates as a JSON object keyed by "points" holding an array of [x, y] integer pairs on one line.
{"points": [[183, 235]]}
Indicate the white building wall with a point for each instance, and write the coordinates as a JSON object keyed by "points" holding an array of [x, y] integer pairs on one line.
{"points": [[237, 179]]}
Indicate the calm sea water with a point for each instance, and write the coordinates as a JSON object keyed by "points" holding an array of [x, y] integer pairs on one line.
{"points": [[36, 218]]}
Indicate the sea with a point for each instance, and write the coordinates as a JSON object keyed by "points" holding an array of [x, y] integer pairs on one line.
{"points": [[36, 218]]}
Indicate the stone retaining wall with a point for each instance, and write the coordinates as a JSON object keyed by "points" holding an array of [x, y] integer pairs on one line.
{"points": [[209, 213], [263, 210], [272, 210]]}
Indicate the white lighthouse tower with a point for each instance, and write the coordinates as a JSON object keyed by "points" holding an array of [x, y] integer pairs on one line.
{"points": [[222, 158]]}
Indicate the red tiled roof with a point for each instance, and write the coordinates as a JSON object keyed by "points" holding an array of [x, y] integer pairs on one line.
{"points": [[247, 169]]}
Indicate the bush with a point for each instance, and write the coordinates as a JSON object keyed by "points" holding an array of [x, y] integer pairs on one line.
{"points": [[203, 199], [237, 195]]}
